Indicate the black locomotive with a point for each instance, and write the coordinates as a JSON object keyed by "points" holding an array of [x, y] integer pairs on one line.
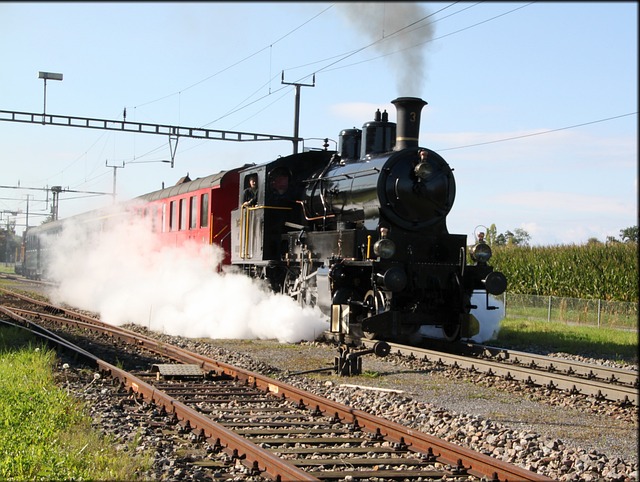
{"points": [[361, 233]]}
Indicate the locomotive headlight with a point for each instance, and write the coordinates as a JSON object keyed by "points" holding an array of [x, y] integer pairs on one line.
{"points": [[422, 170], [394, 279], [481, 252], [495, 283], [385, 248]]}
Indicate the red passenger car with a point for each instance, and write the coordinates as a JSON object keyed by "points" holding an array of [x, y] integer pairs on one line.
{"points": [[198, 210]]}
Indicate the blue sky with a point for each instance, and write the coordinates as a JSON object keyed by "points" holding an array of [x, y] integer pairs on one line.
{"points": [[534, 105]]}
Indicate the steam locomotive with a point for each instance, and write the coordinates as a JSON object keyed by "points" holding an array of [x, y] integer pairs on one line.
{"points": [[359, 232]]}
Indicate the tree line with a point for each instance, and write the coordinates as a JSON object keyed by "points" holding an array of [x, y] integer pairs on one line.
{"points": [[520, 237]]}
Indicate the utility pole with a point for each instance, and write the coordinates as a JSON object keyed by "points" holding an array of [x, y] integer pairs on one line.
{"points": [[27, 219], [55, 190], [296, 120], [114, 178]]}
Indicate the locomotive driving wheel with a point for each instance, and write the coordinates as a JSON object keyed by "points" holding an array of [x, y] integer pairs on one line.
{"points": [[302, 286], [309, 290], [377, 303]]}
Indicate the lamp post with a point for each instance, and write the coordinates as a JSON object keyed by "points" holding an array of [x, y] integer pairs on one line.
{"points": [[47, 76]]}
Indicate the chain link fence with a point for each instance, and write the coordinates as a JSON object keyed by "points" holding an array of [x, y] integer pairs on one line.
{"points": [[600, 313]]}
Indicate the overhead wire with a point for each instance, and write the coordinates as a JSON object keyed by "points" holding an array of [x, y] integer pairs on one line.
{"points": [[427, 41], [242, 104], [549, 131], [340, 58], [332, 65], [239, 61]]}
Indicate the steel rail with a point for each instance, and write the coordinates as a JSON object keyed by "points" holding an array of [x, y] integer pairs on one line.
{"points": [[554, 364], [277, 468], [475, 463], [588, 384], [518, 358], [516, 369], [536, 376]]}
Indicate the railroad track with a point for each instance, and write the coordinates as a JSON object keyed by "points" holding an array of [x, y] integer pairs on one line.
{"points": [[597, 381], [601, 382], [276, 430]]}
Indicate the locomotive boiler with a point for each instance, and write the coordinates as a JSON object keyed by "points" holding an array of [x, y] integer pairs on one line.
{"points": [[361, 233]]}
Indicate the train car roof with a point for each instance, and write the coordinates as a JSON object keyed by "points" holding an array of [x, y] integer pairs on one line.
{"points": [[50, 226], [183, 186], [186, 185]]}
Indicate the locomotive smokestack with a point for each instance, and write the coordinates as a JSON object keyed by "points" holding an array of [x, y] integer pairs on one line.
{"points": [[408, 121]]}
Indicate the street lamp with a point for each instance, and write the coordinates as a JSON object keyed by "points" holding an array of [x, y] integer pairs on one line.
{"points": [[47, 76]]}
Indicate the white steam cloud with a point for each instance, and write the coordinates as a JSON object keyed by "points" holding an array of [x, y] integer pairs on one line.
{"points": [[396, 32], [127, 276], [489, 319]]}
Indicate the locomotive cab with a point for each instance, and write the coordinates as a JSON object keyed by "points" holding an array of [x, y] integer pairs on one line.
{"points": [[257, 243]]}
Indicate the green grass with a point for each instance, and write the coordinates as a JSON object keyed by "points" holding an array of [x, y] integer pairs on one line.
{"points": [[370, 374], [587, 317], [611, 344], [592, 312], [44, 433], [4, 269]]}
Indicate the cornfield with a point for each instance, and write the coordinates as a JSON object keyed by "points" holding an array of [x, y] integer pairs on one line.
{"points": [[606, 272]]}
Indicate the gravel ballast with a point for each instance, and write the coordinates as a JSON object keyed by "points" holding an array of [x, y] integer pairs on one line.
{"points": [[568, 438]]}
